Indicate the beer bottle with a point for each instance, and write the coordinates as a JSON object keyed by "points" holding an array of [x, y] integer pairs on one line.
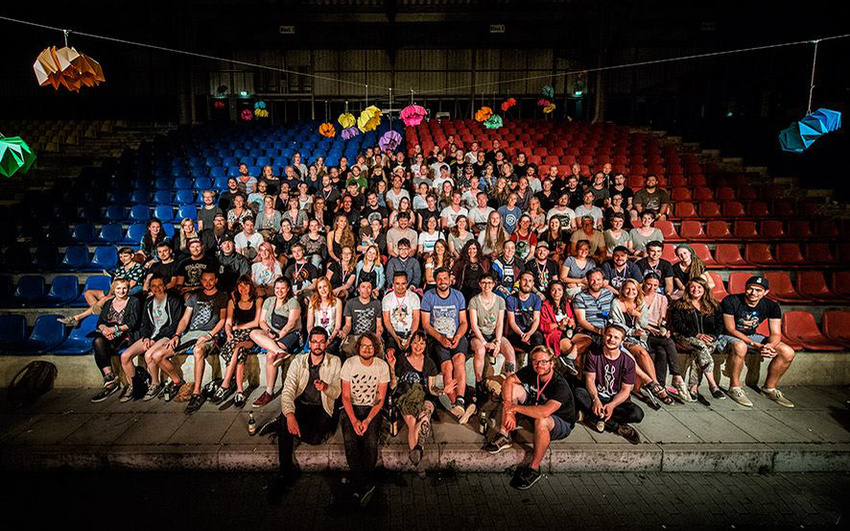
{"points": [[252, 424]]}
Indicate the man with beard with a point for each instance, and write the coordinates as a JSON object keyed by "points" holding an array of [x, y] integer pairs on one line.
{"points": [[653, 199], [212, 235], [193, 266], [523, 314], [619, 268], [232, 265]]}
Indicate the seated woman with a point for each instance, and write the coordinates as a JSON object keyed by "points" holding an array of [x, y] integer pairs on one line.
{"points": [[265, 270], [268, 219], [459, 235], [575, 268], [413, 379], [617, 207], [371, 268], [279, 333], [553, 236], [439, 258], [315, 244], [160, 315], [325, 310], [373, 234], [403, 206], [557, 322], [486, 323], [688, 268], [283, 242], [697, 323], [296, 216], [239, 212], [660, 344], [629, 312], [128, 269], [644, 234], [616, 236], [114, 326], [469, 268], [341, 273], [154, 235], [429, 236], [340, 236], [243, 317], [493, 236], [525, 238], [507, 268], [181, 239]]}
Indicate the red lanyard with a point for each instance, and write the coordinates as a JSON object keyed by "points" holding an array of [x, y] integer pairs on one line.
{"points": [[540, 389]]}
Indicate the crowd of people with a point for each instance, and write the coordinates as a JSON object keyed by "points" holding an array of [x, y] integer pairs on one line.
{"points": [[405, 266]]}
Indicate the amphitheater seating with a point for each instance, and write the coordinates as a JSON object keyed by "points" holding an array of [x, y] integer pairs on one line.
{"points": [[836, 327], [800, 328], [78, 341], [94, 282], [63, 290], [13, 332], [31, 290], [47, 333]]}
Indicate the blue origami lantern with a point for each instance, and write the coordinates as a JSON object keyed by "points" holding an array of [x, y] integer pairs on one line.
{"points": [[802, 134]]}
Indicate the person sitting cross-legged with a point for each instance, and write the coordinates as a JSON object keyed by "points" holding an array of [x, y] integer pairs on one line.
{"points": [[609, 377], [539, 393]]}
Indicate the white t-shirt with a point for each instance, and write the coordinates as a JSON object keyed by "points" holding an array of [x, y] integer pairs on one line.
{"points": [[364, 381], [427, 241], [593, 211], [451, 216], [438, 182], [263, 276], [567, 215], [241, 240], [401, 310], [480, 216], [393, 198]]}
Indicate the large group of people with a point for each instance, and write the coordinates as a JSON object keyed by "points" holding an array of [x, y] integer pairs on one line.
{"points": [[404, 266]]}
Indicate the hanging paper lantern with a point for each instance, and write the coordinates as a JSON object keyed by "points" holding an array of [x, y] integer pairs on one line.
{"points": [[349, 132], [413, 115], [347, 120], [219, 104], [67, 67], [547, 92], [508, 103], [494, 122], [542, 102], [15, 155], [549, 108], [261, 113], [389, 140], [247, 115], [483, 114], [327, 130], [370, 119], [260, 105], [800, 135]]}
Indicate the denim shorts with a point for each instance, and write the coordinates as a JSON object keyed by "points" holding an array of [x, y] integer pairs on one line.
{"points": [[561, 429], [724, 343]]}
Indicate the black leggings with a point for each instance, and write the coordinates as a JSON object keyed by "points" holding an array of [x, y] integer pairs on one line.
{"points": [[626, 413], [315, 426], [104, 349], [663, 351]]}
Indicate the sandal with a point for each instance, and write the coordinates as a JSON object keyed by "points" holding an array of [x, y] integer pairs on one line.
{"points": [[656, 389]]}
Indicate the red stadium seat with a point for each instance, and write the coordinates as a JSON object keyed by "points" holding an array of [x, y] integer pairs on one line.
{"points": [[800, 327], [702, 193], [808, 209], [827, 229], [759, 254], [709, 209], [718, 230], [728, 255], [819, 253], [841, 284], [726, 193], [836, 326], [734, 209], [812, 284], [758, 209], [799, 228], [669, 253], [773, 229], [680, 194], [737, 282], [842, 252], [704, 253], [719, 290], [746, 230], [783, 208], [781, 288], [746, 193], [692, 230], [668, 230], [685, 209], [789, 253]]}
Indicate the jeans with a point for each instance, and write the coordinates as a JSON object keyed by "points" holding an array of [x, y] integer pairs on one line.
{"points": [[626, 413], [315, 426], [663, 350], [361, 451]]}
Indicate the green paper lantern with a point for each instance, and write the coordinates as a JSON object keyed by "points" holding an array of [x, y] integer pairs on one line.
{"points": [[15, 155]]}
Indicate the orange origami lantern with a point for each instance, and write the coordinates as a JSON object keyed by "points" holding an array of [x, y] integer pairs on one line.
{"points": [[327, 130], [67, 67], [483, 114]]}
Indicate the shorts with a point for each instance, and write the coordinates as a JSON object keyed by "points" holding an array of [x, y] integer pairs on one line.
{"points": [[561, 429], [442, 354], [724, 343], [291, 341], [189, 339], [390, 342], [488, 338]]}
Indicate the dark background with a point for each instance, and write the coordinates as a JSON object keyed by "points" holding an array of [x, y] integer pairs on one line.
{"points": [[737, 103]]}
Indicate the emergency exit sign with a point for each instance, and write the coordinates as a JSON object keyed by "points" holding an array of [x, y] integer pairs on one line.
{"points": [[287, 30], [497, 28]]}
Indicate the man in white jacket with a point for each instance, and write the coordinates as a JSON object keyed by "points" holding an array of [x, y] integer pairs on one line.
{"points": [[308, 399]]}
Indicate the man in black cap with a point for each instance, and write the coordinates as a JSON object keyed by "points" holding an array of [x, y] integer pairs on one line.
{"points": [[742, 315], [232, 265], [193, 266]]}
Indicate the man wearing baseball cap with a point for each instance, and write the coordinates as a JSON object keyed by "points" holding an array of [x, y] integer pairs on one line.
{"points": [[232, 265], [193, 266], [742, 315]]}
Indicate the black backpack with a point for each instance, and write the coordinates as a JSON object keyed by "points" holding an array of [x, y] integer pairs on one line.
{"points": [[31, 382], [141, 382]]}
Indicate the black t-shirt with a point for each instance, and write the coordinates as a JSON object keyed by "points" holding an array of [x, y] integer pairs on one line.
{"points": [[664, 269], [543, 274], [191, 270], [426, 214], [167, 271], [576, 198], [301, 275], [547, 202], [311, 395], [748, 318], [626, 192], [556, 389], [380, 213]]}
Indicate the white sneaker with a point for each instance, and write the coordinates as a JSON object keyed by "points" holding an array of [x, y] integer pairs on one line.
{"points": [[737, 394], [777, 396]]}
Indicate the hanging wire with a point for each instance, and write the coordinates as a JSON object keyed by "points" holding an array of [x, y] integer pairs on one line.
{"points": [[812, 82], [65, 34]]}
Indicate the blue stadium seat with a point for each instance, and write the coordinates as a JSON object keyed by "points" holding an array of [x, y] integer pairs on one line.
{"points": [[163, 184], [203, 183], [89, 212], [140, 213], [58, 233], [217, 172], [63, 290], [78, 342], [169, 230], [76, 258], [110, 234], [163, 197], [164, 213], [13, 332], [187, 211], [47, 333], [230, 161], [134, 235], [140, 197], [233, 171], [84, 233], [94, 282], [182, 184], [179, 172], [31, 290], [104, 258], [46, 258], [220, 183], [185, 197], [114, 213]]}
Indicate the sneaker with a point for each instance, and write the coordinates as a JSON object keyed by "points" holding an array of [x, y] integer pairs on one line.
{"points": [[239, 400], [467, 413], [126, 394], [628, 433], [777, 396], [263, 400], [499, 443], [682, 389], [366, 495], [458, 409], [279, 358], [718, 393], [110, 380], [221, 394], [194, 404], [737, 394], [104, 393], [569, 365], [153, 392], [415, 455], [272, 426], [525, 478]]}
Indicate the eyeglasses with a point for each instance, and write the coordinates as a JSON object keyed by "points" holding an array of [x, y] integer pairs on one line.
{"points": [[541, 362]]}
